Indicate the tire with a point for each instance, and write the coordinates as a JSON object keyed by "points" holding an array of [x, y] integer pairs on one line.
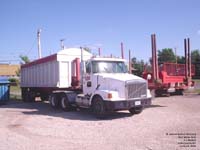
{"points": [[179, 92], [27, 95], [98, 107], [136, 110], [64, 103], [54, 101]]}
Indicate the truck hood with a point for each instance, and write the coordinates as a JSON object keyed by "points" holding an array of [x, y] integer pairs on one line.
{"points": [[117, 82], [120, 76]]}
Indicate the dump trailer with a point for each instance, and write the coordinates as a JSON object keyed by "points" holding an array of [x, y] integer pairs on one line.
{"points": [[74, 78], [171, 79], [168, 78]]}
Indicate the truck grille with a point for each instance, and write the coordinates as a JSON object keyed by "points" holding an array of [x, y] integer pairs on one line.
{"points": [[136, 90]]}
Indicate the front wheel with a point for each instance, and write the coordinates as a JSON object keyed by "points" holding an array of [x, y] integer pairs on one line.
{"points": [[98, 107], [136, 110]]}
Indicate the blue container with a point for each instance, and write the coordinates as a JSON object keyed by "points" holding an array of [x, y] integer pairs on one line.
{"points": [[4, 90]]}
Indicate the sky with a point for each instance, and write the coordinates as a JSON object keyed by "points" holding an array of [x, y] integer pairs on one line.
{"points": [[96, 24]]}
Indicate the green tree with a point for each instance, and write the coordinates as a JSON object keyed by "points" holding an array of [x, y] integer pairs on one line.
{"points": [[24, 59], [87, 49], [138, 66], [166, 55], [195, 58], [180, 59]]}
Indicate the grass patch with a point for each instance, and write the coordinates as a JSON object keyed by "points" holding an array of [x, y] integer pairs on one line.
{"points": [[196, 80], [15, 92], [15, 97], [15, 89], [197, 91]]}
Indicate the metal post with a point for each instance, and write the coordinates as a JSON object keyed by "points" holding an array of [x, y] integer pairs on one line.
{"points": [[153, 56], [99, 50], [156, 59], [39, 44], [176, 61], [82, 67], [189, 61], [186, 59], [122, 50], [130, 62]]}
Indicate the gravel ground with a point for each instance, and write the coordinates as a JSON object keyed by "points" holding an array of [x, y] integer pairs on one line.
{"points": [[167, 125]]}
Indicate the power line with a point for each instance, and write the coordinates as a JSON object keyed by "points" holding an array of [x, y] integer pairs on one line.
{"points": [[27, 53]]}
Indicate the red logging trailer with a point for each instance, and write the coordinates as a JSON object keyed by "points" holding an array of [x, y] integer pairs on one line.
{"points": [[170, 77]]}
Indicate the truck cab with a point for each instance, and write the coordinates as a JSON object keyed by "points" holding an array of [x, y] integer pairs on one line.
{"points": [[107, 86]]}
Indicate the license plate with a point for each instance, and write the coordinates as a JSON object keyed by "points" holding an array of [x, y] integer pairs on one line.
{"points": [[137, 103]]}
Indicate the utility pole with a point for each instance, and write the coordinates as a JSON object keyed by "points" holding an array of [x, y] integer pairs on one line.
{"points": [[39, 44], [99, 51], [62, 44]]}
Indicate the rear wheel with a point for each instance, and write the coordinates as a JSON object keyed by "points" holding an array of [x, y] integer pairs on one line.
{"points": [[135, 110], [54, 101], [98, 107], [31, 96], [27, 95], [179, 91], [65, 105]]}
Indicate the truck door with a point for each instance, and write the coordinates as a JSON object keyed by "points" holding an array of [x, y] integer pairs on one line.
{"points": [[88, 80]]}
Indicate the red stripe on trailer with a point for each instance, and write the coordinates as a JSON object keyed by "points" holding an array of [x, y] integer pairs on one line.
{"points": [[40, 61]]}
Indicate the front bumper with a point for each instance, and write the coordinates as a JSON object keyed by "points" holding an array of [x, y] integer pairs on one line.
{"points": [[126, 104]]}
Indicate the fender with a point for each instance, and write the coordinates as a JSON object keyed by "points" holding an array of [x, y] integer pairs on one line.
{"points": [[106, 95]]}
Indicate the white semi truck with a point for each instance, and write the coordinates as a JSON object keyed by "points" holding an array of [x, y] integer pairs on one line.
{"points": [[74, 78]]}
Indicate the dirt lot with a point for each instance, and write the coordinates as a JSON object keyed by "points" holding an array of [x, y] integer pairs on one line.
{"points": [[170, 123]]}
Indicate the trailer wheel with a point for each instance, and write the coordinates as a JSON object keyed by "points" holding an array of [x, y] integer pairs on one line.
{"points": [[54, 101], [179, 91], [136, 110], [31, 96], [65, 105], [24, 95], [27, 95], [98, 107]]}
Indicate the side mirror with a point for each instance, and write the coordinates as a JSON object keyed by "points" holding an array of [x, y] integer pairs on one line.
{"points": [[89, 84]]}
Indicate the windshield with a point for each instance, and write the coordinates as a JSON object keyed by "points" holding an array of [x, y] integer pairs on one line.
{"points": [[108, 67]]}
